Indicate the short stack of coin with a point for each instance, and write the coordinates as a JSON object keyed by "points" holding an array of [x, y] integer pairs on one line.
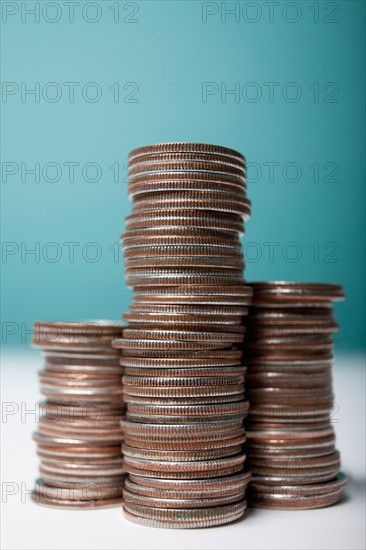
{"points": [[184, 378], [79, 435], [291, 442]]}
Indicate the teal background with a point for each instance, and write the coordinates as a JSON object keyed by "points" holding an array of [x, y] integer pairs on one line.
{"points": [[169, 52]]}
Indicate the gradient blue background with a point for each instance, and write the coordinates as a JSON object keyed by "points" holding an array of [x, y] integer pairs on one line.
{"points": [[169, 53]]}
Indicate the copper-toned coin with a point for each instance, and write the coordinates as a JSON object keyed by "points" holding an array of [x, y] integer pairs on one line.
{"points": [[189, 410], [64, 503], [187, 356], [172, 247], [287, 463], [180, 431], [81, 430], [263, 316], [190, 294], [238, 437], [78, 453], [81, 372], [130, 343], [241, 208], [308, 344], [151, 181], [201, 372], [232, 481], [141, 188], [190, 455], [78, 380], [279, 502], [185, 382], [293, 412], [100, 367], [186, 156], [206, 473], [282, 296], [178, 399], [65, 395], [132, 498], [294, 359], [185, 217], [184, 418], [153, 394], [184, 147], [57, 479], [327, 487], [296, 369], [291, 381], [183, 334], [145, 259], [226, 323], [90, 470], [196, 441], [311, 477], [79, 491], [76, 354], [183, 515], [315, 330], [214, 328], [185, 524], [90, 412], [185, 489], [86, 328], [180, 231], [176, 281], [90, 335], [180, 363], [139, 170], [228, 170], [222, 312], [294, 444], [295, 433]]}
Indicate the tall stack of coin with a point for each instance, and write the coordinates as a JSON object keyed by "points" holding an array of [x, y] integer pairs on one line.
{"points": [[79, 435], [184, 379], [291, 443]]}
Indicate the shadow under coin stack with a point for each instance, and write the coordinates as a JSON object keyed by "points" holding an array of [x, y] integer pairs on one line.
{"points": [[79, 434], [184, 379], [291, 442]]}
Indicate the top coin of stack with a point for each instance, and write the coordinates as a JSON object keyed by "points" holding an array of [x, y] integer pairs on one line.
{"points": [[184, 380], [291, 443], [79, 435]]}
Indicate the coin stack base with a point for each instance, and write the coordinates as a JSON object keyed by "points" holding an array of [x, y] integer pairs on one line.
{"points": [[291, 442], [79, 436], [183, 375]]}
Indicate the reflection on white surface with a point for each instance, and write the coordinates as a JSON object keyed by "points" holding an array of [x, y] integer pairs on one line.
{"points": [[28, 526]]}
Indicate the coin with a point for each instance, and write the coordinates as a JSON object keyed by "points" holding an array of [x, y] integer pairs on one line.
{"points": [[183, 334], [64, 503], [232, 223], [180, 455], [179, 431], [186, 156], [172, 147], [132, 498], [187, 382], [205, 488], [236, 437]]}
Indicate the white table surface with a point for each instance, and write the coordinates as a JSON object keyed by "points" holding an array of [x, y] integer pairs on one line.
{"points": [[26, 525]]}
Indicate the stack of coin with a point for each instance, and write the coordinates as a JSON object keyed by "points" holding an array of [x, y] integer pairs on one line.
{"points": [[184, 378], [291, 443], [79, 435]]}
